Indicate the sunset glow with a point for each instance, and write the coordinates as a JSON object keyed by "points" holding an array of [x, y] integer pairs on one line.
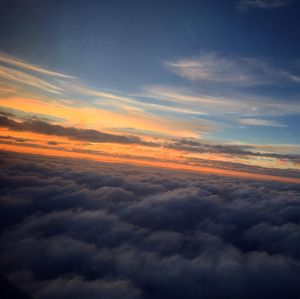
{"points": [[149, 149], [158, 138]]}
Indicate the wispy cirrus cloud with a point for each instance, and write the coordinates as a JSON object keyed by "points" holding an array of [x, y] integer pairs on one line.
{"points": [[219, 85], [260, 122], [213, 68], [17, 76], [234, 71], [235, 104], [125, 101], [173, 102], [26, 87], [13, 61], [262, 4]]}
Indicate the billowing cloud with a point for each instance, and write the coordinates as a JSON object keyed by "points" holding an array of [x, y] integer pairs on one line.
{"points": [[76, 230]]}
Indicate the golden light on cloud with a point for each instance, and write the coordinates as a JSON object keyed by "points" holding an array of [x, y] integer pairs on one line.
{"points": [[144, 162], [169, 131], [96, 118]]}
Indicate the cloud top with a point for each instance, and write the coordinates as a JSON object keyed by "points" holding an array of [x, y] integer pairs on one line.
{"points": [[74, 230]]}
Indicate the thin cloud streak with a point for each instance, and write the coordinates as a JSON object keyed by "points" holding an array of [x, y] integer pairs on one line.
{"points": [[237, 104], [12, 75], [127, 102], [260, 122], [177, 102], [42, 127], [235, 71], [4, 58]]}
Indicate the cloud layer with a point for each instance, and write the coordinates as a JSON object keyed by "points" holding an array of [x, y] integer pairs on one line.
{"points": [[185, 151], [89, 230]]}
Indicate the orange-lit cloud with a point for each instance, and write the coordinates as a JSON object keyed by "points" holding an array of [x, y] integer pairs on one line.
{"points": [[168, 131], [90, 117], [169, 165]]}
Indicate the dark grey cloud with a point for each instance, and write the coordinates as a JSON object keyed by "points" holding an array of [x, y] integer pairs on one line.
{"points": [[51, 142], [194, 145], [15, 139], [80, 229], [43, 127]]}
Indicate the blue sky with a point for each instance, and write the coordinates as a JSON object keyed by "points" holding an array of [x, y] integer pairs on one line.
{"points": [[234, 65]]}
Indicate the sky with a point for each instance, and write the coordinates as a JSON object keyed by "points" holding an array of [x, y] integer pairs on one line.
{"points": [[197, 85], [149, 149]]}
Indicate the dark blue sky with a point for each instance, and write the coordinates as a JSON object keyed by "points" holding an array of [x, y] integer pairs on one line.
{"points": [[128, 39]]}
